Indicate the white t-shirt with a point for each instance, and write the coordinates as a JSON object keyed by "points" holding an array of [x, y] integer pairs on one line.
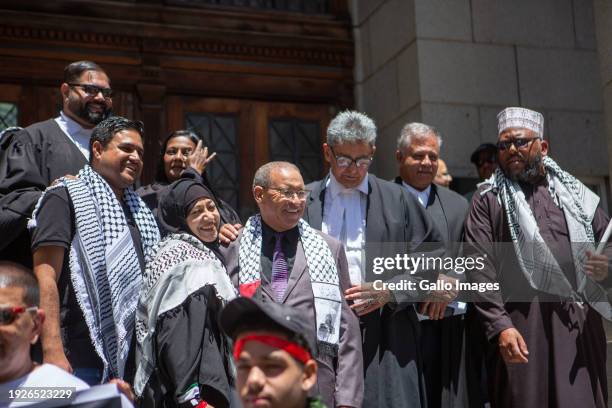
{"points": [[47, 375]]}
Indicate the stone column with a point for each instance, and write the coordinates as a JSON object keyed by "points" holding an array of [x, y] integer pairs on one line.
{"points": [[603, 27]]}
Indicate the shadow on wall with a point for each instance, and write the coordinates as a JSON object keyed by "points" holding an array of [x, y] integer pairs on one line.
{"points": [[463, 185]]}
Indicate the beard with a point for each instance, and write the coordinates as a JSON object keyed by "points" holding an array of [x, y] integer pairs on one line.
{"points": [[532, 171], [84, 111]]}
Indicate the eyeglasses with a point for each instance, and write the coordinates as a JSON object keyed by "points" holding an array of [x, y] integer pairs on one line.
{"points": [[93, 90], [288, 194], [8, 314], [518, 143], [345, 162]]}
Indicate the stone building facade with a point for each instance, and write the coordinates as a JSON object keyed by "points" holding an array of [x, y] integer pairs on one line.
{"points": [[456, 63]]}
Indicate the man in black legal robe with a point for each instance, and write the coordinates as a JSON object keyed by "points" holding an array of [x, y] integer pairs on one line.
{"points": [[443, 344], [536, 226], [33, 158], [374, 217]]}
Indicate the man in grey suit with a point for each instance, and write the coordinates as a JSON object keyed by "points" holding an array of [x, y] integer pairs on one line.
{"points": [[365, 212], [442, 325], [278, 257]]}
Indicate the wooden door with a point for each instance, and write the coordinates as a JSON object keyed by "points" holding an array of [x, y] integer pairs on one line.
{"points": [[10, 111], [26, 104], [246, 134]]}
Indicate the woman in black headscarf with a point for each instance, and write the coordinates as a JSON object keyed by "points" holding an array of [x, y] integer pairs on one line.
{"points": [[183, 156], [183, 358]]}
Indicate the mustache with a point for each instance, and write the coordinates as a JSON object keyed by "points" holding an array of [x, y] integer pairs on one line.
{"points": [[83, 111], [516, 155], [531, 170]]}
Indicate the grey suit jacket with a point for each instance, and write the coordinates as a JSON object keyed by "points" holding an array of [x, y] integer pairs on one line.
{"points": [[340, 380]]}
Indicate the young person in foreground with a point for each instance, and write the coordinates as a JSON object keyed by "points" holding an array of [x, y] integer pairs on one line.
{"points": [[273, 351]]}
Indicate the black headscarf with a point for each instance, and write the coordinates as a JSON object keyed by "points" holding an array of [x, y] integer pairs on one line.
{"points": [[175, 204]]}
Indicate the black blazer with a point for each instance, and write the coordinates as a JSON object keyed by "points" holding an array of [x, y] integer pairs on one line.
{"points": [[395, 224], [448, 211], [392, 216]]}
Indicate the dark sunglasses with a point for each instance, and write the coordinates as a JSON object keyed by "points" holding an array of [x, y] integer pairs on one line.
{"points": [[93, 90], [8, 314], [518, 143]]}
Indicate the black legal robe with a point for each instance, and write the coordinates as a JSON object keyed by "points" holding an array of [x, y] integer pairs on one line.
{"points": [[393, 376], [30, 160], [446, 344]]}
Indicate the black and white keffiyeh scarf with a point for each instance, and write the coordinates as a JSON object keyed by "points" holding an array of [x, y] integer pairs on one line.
{"points": [[104, 268], [181, 265], [537, 262], [323, 277]]}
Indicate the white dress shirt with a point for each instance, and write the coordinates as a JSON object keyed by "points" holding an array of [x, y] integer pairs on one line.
{"points": [[421, 196], [344, 218], [75, 132]]}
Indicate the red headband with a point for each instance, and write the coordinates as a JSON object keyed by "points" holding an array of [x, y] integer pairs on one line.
{"points": [[298, 352]]}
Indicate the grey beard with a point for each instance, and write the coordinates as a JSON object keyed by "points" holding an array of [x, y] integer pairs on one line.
{"points": [[531, 172]]}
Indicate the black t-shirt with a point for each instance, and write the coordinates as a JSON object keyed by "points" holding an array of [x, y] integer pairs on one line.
{"points": [[56, 227]]}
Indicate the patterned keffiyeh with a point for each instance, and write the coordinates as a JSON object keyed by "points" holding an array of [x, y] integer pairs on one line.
{"points": [[182, 264], [104, 267], [323, 277], [537, 262]]}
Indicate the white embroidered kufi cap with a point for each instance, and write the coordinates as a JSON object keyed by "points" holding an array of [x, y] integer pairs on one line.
{"points": [[520, 118]]}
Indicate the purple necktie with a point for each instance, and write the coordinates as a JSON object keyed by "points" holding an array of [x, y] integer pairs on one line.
{"points": [[280, 272]]}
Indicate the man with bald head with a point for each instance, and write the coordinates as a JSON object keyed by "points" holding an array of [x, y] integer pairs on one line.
{"points": [[278, 257], [536, 225]]}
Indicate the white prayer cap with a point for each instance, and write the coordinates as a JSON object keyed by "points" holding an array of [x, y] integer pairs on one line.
{"points": [[520, 118]]}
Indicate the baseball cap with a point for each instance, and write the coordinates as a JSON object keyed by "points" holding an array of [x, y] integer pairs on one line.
{"points": [[243, 313], [483, 147]]}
